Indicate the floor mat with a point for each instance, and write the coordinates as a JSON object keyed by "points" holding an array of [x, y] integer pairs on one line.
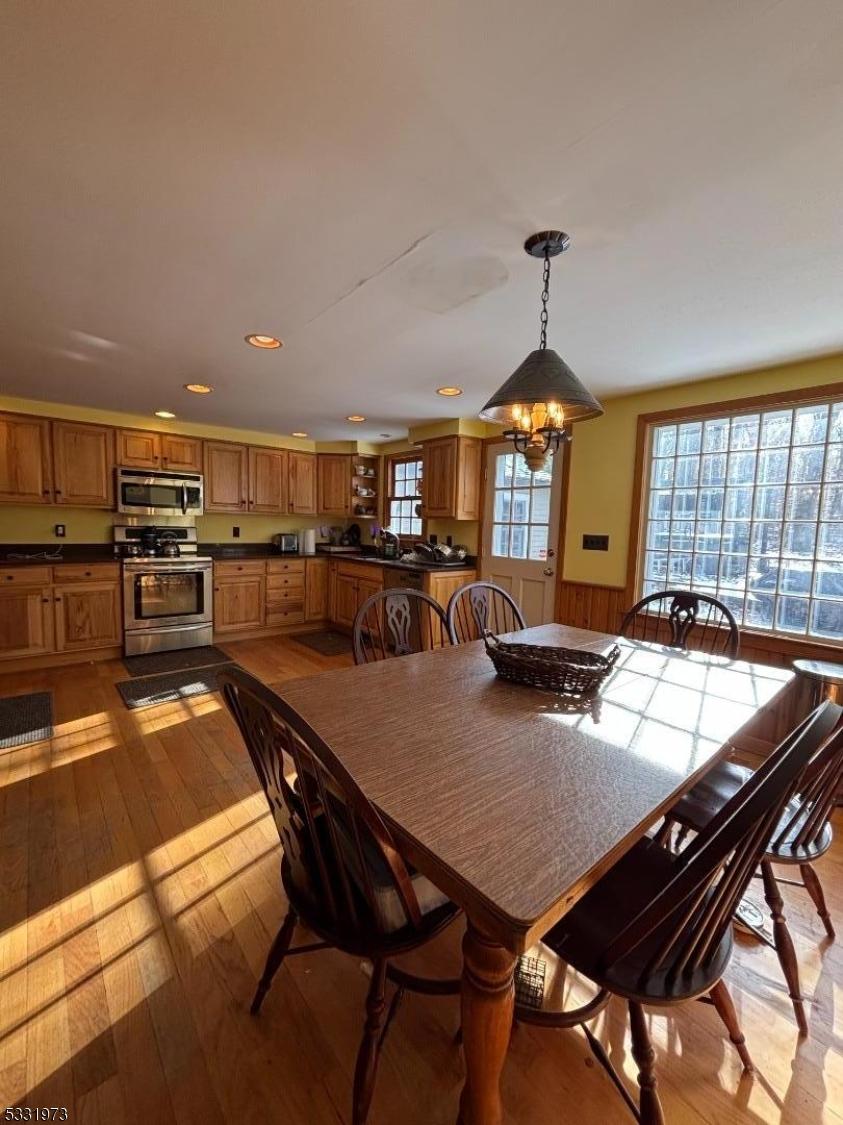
{"points": [[25, 719], [325, 642], [160, 663], [152, 690]]}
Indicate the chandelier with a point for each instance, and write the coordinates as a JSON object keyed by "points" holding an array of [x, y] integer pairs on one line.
{"points": [[543, 396]]}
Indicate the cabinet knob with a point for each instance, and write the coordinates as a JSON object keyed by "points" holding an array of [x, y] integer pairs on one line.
{"points": [[10, 577], [58, 492], [45, 601], [87, 574], [58, 599]]}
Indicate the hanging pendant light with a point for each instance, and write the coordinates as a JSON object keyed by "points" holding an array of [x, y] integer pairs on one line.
{"points": [[543, 395]]}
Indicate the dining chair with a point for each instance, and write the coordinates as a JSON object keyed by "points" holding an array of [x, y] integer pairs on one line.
{"points": [[396, 623], [479, 608], [342, 875], [656, 928], [684, 619], [802, 834]]}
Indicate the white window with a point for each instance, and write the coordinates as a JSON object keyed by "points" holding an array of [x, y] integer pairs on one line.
{"points": [[404, 496], [522, 508], [749, 508]]}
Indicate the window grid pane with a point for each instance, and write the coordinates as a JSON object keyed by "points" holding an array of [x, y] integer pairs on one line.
{"points": [[749, 508], [404, 495], [521, 510]]}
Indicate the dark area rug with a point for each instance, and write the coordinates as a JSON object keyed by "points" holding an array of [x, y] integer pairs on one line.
{"points": [[152, 690], [325, 642], [25, 719], [160, 663]]}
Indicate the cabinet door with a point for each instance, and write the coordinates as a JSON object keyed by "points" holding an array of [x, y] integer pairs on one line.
{"points": [[226, 476], [365, 589], [25, 463], [88, 616], [239, 604], [439, 479], [26, 622], [316, 590], [334, 481], [302, 484], [345, 600], [83, 463], [267, 480], [181, 454], [139, 449], [469, 478]]}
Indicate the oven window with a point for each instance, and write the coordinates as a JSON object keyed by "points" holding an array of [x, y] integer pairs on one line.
{"points": [[169, 595]]}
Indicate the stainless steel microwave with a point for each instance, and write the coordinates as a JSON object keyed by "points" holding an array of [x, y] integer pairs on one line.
{"points": [[145, 492]]}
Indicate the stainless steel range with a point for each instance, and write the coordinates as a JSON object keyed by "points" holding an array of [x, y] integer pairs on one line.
{"points": [[167, 590]]}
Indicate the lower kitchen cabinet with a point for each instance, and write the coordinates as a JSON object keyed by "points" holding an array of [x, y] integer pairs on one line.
{"points": [[239, 603], [88, 617], [316, 590], [350, 585], [26, 622]]}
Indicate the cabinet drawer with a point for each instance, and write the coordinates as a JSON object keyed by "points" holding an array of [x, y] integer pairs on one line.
{"points": [[286, 566], [87, 572], [235, 569], [281, 598], [26, 576], [291, 616], [285, 582], [369, 572]]}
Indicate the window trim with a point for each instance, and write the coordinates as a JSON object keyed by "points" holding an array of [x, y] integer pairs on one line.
{"points": [[826, 392], [391, 461]]}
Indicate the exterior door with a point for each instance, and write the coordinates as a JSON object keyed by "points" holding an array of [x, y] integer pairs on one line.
{"points": [[521, 529]]}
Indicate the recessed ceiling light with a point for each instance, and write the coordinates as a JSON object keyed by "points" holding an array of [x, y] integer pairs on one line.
{"points": [[355, 418], [198, 388], [164, 414], [299, 433], [449, 392], [258, 341]]}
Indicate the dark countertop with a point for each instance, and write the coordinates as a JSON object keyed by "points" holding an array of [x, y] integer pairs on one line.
{"points": [[72, 553]]}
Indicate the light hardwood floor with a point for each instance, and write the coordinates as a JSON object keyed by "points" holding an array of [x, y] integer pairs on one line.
{"points": [[139, 893]]}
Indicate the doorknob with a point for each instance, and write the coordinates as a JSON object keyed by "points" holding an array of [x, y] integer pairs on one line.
{"points": [[548, 572]]}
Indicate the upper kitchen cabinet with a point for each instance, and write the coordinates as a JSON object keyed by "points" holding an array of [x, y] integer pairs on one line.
{"points": [[226, 476], [334, 484], [268, 480], [147, 449], [301, 497], [451, 482], [83, 464], [25, 460]]}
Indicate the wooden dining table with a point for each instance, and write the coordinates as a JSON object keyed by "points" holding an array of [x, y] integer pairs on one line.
{"points": [[514, 806]]}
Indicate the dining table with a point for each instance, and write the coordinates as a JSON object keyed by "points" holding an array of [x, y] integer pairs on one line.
{"points": [[515, 801]]}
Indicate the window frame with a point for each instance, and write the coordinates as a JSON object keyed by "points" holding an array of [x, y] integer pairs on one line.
{"points": [[407, 538], [829, 393]]}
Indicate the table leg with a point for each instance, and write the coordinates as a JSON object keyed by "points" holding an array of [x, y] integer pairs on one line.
{"points": [[488, 1000]]}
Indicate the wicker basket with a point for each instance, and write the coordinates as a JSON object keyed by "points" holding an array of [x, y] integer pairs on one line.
{"points": [[564, 671]]}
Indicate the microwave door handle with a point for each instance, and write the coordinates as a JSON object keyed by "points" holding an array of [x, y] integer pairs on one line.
{"points": [[184, 499]]}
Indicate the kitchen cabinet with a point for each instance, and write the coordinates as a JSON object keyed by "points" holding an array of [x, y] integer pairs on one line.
{"points": [[268, 470], [26, 621], [226, 476], [239, 603], [333, 484], [301, 484], [350, 585], [25, 460], [88, 616], [83, 464], [148, 449], [316, 590], [442, 584], [452, 479]]}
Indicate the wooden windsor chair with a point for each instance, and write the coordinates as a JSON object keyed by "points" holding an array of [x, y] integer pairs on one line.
{"points": [[479, 608], [396, 623], [656, 929], [684, 619], [343, 878]]}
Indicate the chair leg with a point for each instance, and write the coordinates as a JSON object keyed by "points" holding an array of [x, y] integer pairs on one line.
{"points": [[645, 1057], [722, 1000], [784, 943], [277, 953], [815, 890], [367, 1056]]}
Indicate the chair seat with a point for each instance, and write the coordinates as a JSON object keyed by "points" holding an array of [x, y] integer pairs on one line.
{"points": [[582, 937], [719, 785]]}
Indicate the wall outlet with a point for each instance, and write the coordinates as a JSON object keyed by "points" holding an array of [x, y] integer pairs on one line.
{"points": [[59, 531], [595, 542], [235, 531]]}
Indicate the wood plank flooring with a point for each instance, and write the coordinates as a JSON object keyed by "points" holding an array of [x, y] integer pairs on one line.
{"points": [[140, 892]]}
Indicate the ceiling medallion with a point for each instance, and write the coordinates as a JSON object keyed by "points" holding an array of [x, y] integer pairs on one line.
{"points": [[543, 395]]}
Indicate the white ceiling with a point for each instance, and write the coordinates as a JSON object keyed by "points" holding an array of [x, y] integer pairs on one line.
{"points": [[358, 176]]}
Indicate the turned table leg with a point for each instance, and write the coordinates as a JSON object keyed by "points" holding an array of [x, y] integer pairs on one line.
{"points": [[487, 1007]]}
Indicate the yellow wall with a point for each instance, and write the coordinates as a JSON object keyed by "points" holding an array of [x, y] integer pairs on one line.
{"points": [[603, 458]]}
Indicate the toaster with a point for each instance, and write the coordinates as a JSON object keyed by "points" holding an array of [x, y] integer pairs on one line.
{"points": [[287, 543]]}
